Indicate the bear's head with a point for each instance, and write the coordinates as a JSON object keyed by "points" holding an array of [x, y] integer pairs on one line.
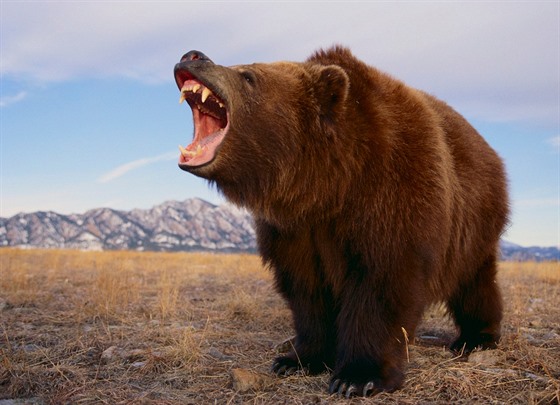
{"points": [[257, 127]]}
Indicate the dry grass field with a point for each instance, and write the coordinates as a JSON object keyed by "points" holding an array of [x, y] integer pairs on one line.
{"points": [[177, 328]]}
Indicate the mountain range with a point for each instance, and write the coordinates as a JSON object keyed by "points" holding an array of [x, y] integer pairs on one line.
{"points": [[191, 225]]}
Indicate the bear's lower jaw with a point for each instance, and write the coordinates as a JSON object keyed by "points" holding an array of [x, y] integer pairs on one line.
{"points": [[201, 152], [208, 136]]}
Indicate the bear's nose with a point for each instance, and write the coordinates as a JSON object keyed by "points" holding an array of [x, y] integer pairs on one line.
{"points": [[194, 55]]}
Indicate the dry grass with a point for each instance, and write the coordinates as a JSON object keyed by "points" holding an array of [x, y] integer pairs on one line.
{"points": [[169, 328]]}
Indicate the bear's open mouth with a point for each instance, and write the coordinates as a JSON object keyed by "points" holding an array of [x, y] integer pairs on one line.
{"points": [[210, 119]]}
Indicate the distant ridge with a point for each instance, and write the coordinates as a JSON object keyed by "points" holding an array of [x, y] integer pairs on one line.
{"points": [[513, 252], [191, 225]]}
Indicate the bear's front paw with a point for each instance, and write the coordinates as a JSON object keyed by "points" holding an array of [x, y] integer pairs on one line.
{"points": [[357, 381]]}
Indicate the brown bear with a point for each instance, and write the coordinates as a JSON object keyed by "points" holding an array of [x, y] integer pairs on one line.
{"points": [[371, 200]]}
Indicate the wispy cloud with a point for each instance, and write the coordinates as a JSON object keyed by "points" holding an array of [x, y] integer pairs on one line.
{"points": [[555, 142], [135, 164], [537, 202], [488, 81], [7, 100]]}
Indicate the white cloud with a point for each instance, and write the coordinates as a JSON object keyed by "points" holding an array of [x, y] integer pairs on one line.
{"points": [[134, 165], [7, 100], [499, 60], [555, 142]]}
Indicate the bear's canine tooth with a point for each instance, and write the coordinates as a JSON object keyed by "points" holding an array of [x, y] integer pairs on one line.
{"points": [[182, 98], [184, 152], [189, 153], [205, 93]]}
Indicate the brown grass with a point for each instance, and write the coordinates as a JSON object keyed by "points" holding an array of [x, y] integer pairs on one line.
{"points": [[169, 328]]}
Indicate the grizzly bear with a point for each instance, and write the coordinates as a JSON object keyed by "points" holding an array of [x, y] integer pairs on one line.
{"points": [[371, 201]]}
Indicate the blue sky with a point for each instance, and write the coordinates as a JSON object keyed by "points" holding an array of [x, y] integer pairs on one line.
{"points": [[90, 115]]}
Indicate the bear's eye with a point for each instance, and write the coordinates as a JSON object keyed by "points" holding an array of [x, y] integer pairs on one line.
{"points": [[248, 76]]}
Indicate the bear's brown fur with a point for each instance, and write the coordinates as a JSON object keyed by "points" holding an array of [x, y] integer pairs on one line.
{"points": [[371, 200]]}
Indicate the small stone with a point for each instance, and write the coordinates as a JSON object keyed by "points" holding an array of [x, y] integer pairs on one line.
{"points": [[31, 348], [487, 358], [536, 323], [218, 355], [537, 378], [22, 401], [550, 336], [245, 380], [134, 353], [429, 340], [108, 353]]}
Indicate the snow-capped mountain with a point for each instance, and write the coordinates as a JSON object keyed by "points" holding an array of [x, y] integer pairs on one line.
{"points": [[513, 252], [172, 226], [191, 225]]}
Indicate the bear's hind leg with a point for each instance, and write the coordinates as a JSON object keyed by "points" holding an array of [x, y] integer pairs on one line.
{"points": [[476, 308]]}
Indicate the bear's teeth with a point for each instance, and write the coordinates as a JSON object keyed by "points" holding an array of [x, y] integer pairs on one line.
{"points": [[205, 93], [184, 152], [192, 89], [189, 153]]}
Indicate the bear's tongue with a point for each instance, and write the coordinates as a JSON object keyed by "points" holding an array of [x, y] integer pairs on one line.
{"points": [[207, 136], [210, 123]]}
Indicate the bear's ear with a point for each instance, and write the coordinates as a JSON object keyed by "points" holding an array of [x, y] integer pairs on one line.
{"points": [[331, 90]]}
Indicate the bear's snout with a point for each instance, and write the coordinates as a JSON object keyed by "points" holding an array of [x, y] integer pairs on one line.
{"points": [[191, 64], [194, 55]]}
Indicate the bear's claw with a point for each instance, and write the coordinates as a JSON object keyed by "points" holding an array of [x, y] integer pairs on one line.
{"points": [[368, 387], [334, 386], [342, 388], [348, 389], [282, 369]]}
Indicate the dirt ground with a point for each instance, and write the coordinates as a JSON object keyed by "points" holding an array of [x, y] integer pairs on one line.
{"points": [[178, 328]]}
